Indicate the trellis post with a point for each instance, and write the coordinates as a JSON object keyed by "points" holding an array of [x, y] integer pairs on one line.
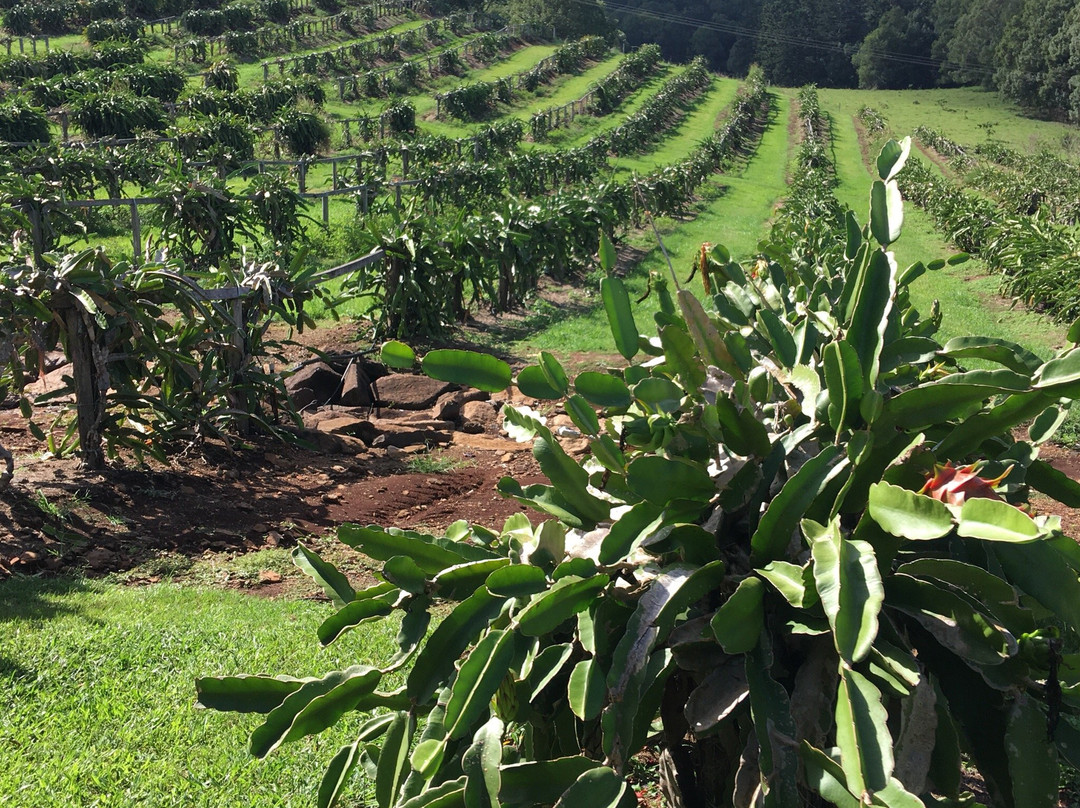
{"points": [[136, 234], [88, 398]]}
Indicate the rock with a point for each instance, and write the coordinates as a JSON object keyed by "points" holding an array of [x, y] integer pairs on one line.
{"points": [[401, 435], [356, 388], [448, 407], [50, 382], [269, 577], [328, 443], [325, 443], [479, 416], [277, 461], [344, 425], [373, 370], [384, 424], [319, 378], [576, 446], [303, 397], [100, 559], [313, 417], [489, 443], [555, 421], [260, 528], [273, 539], [394, 453], [409, 392], [54, 359]]}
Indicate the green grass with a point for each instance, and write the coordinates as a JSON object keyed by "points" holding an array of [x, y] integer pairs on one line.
{"points": [[97, 693], [699, 123], [969, 296], [967, 115], [585, 127], [562, 90], [735, 211], [509, 64], [434, 463], [251, 73]]}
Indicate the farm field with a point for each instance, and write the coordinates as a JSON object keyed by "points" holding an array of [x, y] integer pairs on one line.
{"points": [[481, 193]]}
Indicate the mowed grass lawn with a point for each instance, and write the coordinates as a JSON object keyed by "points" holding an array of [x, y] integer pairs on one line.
{"points": [[968, 115], [97, 695]]}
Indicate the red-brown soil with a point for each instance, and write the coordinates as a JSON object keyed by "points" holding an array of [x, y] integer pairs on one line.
{"points": [[55, 516]]}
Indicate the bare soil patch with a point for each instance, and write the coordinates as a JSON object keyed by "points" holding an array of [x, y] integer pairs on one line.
{"points": [[56, 517]]}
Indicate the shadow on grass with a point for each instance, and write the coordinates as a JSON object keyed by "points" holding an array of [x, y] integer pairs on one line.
{"points": [[31, 599], [493, 334]]}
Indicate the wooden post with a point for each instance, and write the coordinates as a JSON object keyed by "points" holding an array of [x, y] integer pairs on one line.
{"points": [[89, 402], [37, 235], [348, 135], [333, 168], [64, 126], [136, 234], [404, 163], [397, 194], [266, 71], [236, 363], [326, 209], [301, 168]]}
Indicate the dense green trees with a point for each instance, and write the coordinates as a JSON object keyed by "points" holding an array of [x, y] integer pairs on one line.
{"points": [[809, 40], [1034, 54], [570, 19], [974, 40], [1027, 49], [894, 55]]}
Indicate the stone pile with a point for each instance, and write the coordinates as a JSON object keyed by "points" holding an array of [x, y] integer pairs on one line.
{"points": [[359, 405]]}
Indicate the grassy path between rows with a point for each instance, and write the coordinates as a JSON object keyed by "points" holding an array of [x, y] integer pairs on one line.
{"points": [[563, 89], [699, 123], [969, 293], [734, 210]]}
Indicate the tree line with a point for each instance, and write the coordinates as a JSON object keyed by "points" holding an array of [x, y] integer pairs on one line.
{"points": [[1029, 50]]}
